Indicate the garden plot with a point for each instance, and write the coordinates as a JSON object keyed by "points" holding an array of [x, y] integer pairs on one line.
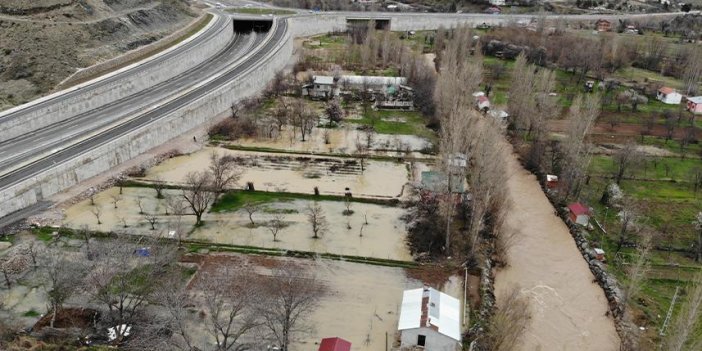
{"points": [[341, 140], [296, 173], [361, 303], [383, 237], [83, 214]]}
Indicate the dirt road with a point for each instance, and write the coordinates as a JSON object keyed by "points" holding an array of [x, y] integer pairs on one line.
{"points": [[568, 308]]}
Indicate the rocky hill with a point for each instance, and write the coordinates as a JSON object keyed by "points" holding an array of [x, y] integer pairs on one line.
{"points": [[45, 41]]}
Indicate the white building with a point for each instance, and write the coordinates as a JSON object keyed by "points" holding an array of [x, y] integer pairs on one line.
{"points": [[430, 319], [322, 87], [372, 82], [669, 96]]}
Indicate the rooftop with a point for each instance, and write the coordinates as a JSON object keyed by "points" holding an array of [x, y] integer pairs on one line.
{"points": [[430, 308], [666, 90], [695, 99], [578, 208], [334, 344], [326, 80]]}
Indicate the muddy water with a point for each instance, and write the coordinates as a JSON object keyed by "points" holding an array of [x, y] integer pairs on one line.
{"points": [[378, 178], [341, 140], [383, 236], [81, 214], [568, 309]]}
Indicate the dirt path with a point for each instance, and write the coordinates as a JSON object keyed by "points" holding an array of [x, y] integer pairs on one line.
{"points": [[568, 308]]}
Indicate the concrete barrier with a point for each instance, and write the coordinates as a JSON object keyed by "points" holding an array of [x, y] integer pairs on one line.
{"points": [[72, 102]]}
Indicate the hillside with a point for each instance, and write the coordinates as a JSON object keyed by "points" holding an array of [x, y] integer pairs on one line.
{"points": [[45, 41]]}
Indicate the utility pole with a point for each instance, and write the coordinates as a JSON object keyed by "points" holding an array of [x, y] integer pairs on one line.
{"points": [[670, 311]]}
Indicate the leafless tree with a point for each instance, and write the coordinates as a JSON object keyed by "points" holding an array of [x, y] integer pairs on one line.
{"points": [[176, 301], [682, 333], [63, 279], [698, 245], [13, 264], [693, 70], [576, 153], [290, 295], [140, 203], [123, 281], [159, 185], [362, 153], [334, 112], [278, 84], [276, 224], [302, 118], [347, 204], [251, 208], [152, 218], [96, 211], [229, 297], [317, 219], [625, 158], [638, 270], [198, 193], [509, 323], [115, 199], [178, 209], [627, 218], [224, 172]]}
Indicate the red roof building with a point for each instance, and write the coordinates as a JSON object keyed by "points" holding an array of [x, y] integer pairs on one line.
{"points": [[579, 213], [334, 344]]}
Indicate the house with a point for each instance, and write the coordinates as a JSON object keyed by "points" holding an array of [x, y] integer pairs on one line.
{"points": [[497, 2], [669, 96], [499, 115], [334, 344], [430, 319], [694, 105], [551, 181], [483, 103], [395, 98], [322, 87], [579, 214], [603, 25]]}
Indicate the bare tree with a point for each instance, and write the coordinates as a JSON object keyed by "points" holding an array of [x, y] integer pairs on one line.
{"points": [[115, 199], [251, 208], [682, 332], [96, 211], [63, 278], [638, 270], [175, 300], [317, 219], [347, 204], [198, 193], [625, 158], [159, 185], [576, 153], [178, 209], [33, 251], [228, 297], [140, 203], [224, 172], [276, 224], [152, 218], [125, 276], [290, 295], [698, 245], [627, 218], [510, 321], [334, 112], [13, 264], [302, 118]]}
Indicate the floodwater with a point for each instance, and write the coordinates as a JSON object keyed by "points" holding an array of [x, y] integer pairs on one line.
{"points": [[294, 173], [383, 236], [342, 140], [21, 299], [81, 214], [568, 309]]}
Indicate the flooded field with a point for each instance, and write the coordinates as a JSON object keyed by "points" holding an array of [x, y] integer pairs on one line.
{"points": [[382, 237], [279, 172], [343, 140], [361, 304], [82, 214]]}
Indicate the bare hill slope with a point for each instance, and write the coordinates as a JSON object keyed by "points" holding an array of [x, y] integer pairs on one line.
{"points": [[45, 41]]}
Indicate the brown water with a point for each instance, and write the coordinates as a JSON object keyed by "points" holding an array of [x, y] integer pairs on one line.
{"points": [[379, 178], [568, 308]]}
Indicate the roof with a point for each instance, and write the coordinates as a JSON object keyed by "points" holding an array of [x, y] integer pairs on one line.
{"points": [[695, 99], [601, 20], [438, 182], [430, 308], [334, 344], [578, 208], [327, 80], [483, 98], [551, 178], [374, 80], [666, 90]]}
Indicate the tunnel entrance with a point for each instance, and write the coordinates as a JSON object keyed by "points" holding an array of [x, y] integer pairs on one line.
{"points": [[361, 22], [251, 25]]}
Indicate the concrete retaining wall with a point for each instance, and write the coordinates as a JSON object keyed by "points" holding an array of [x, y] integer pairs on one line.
{"points": [[66, 108], [137, 142]]}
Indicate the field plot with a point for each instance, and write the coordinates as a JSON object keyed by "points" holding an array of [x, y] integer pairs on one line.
{"points": [[293, 173], [361, 303], [383, 237]]}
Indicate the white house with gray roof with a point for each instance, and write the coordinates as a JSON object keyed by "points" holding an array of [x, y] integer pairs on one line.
{"points": [[430, 319]]}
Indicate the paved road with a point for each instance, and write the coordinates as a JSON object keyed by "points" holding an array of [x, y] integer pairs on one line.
{"points": [[72, 148]]}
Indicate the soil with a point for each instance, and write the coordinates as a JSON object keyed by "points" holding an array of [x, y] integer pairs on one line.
{"points": [[45, 41], [568, 309], [68, 318], [623, 129]]}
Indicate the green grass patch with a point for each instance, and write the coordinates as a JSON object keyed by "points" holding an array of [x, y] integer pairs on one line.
{"points": [[31, 313], [396, 123], [235, 200], [261, 11]]}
